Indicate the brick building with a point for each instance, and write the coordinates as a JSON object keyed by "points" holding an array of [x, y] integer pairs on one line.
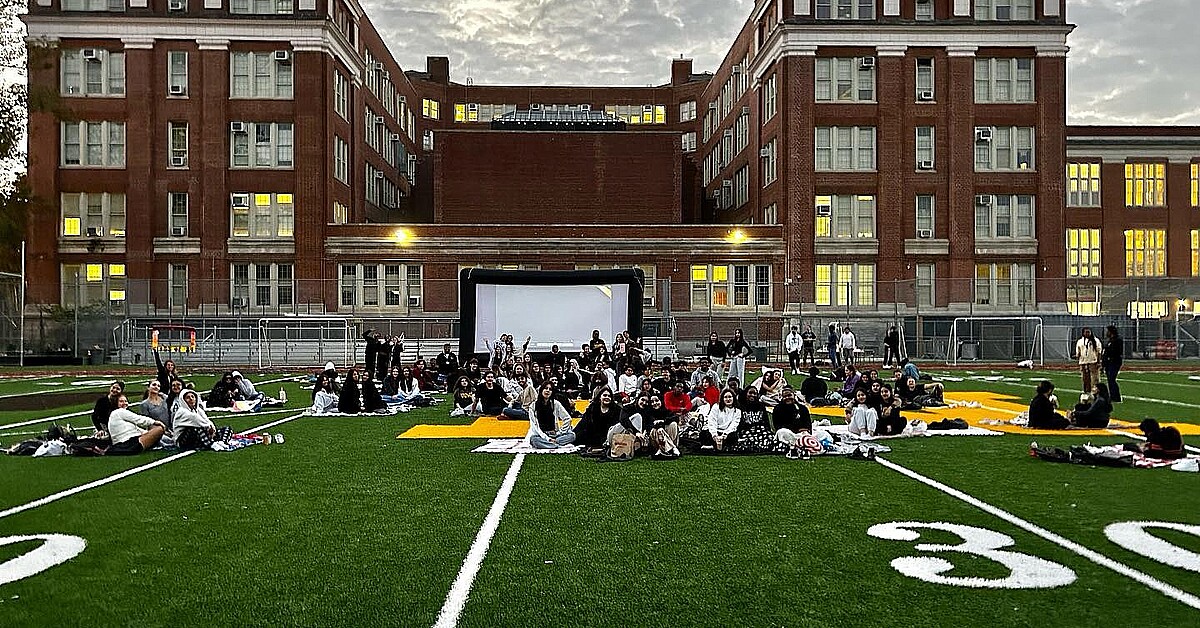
{"points": [[249, 157]]}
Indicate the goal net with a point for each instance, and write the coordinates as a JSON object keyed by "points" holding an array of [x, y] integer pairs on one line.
{"points": [[996, 339]]}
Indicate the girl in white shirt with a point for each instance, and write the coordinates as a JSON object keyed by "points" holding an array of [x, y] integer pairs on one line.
{"points": [[1088, 351], [721, 425]]}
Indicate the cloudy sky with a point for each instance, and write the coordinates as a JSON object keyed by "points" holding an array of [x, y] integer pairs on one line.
{"points": [[1131, 62]]}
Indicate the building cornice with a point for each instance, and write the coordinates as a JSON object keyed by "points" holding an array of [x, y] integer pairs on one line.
{"points": [[556, 247]]}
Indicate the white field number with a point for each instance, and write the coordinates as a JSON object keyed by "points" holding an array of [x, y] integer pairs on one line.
{"points": [[1025, 571], [56, 549], [1134, 536]]}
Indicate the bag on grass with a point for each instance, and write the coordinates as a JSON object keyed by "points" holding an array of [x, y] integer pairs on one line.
{"points": [[24, 448], [622, 447], [1051, 454]]}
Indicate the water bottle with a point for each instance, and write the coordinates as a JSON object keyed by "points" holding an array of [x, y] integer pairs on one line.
{"points": [[282, 394]]}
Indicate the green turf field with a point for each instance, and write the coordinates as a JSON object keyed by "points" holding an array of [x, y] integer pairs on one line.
{"points": [[343, 525]]}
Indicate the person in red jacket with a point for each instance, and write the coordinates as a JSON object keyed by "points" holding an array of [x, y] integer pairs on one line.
{"points": [[677, 401]]}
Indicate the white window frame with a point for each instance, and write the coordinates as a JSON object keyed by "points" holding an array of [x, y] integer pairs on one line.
{"points": [[177, 73], [769, 167], [1083, 248], [852, 217], [860, 151], [381, 286], [1007, 217], [245, 153], [687, 111], [177, 138], [1145, 184], [743, 285], [266, 215], [261, 7], [1083, 184], [178, 287], [770, 94], [175, 218], [741, 186], [110, 144], [688, 141], [1005, 80], [842, 285], [844, 79], [770, 214], [1005, 10], [279, 75], [76, 215], [99, 78], [341, 213], [844, 9], [926, 213], [106, 285], [1011, 149], [341, 160], [245, 283], [926, 278], [341, 94], [925, 77], [113, 6], [925, 143], [1148, 260], [1015, 288]]}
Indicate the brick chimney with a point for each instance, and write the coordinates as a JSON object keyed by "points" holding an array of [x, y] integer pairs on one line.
{"points": [[681, 71], [438, 69]]}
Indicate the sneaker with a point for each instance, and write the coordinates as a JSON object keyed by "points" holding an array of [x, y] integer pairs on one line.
{"points": [[457, 412], [792, 454]]}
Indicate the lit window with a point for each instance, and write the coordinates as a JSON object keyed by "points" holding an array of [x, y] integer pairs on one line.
{"points": [[1083, 252], [1083, 308], [1145, 253], [429, 108], [1147, 309], [93, 214], [1195, 253], [262, 215], [845, 284], [1083, 185], [1145, 185], [1195, 185], [1010, 148], [845, 216]]}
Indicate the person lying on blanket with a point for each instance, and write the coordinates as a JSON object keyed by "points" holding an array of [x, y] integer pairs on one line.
{"points": [[1161, 442]]}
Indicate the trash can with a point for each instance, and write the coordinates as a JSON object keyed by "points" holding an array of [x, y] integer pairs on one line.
{"points": [[969, 350]]}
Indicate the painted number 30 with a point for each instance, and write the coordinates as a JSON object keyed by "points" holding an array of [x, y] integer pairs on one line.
{"points": [[1025, 571]]}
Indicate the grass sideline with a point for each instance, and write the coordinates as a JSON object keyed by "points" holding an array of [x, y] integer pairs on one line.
{"points": [[344, 525]]}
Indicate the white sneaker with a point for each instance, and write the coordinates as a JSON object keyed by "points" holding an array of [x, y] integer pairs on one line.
{"points": [[458, 412]]}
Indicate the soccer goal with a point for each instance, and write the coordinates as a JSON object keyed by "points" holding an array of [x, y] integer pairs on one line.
{"points": [[996, 339], [305, 340]]}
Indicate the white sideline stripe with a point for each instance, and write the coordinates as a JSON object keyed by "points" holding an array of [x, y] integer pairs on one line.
{"points": [[981, 378], [82, 428], [1172, 592], [1195, 450], [132, 403], [124, 474], [456, 599]]}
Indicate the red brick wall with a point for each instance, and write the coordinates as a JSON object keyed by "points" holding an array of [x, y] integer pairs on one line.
{"points": [[488, 177]]}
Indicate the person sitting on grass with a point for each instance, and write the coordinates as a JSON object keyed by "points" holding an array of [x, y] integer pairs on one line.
{"points": [[1093, 415], [720, 431], [193, 429], [523, 396], [246, 388], [549, 422], [849, 384], [663, 429], [601, 414], [791, 419], [632, 421], [105, 405], [1165, 443], [390, 385], [813, 389], [324, 399], [1043, 414], [755, 435], [490, 398], [463, 394], [131, 433], [861, 418], [677, 401], [372, 401], [769, 386], [224, 393], [155, 406], [707, 393], [350, 399], [891, 422], [923, 395]]}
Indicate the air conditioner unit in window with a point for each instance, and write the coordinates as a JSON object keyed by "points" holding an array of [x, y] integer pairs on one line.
{"points": [[414, 301], [177, 90], [378, 119], [737, 69], [239, 200], [824, 210], [377, 66], [727, 183], [378, 174], [866, 63], [93, 232], [924, 165], [178, 161], [240, 303], [385, 75], [177, 5], [925, 95], [764, 152], [925, 233], [283, 56], [535, 107], [472, 107], [745, 111], [90, 54], [983, 200], [237, 127], [983, 134], [585, 107], [178, 232], [728, 132], [712, 105], [395, 137], [404, 99]]}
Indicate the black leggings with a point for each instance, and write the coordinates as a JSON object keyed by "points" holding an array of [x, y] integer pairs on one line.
{"points": [[706, 438], [794, 360]]}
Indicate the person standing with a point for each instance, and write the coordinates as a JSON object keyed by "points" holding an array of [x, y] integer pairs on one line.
{"points": [[1113, 358], [447, 365], [809, 343], [716, 352], [1087, 351], [848, 344], [738, 350], [831, 344], [891, 346], [792, 344]]}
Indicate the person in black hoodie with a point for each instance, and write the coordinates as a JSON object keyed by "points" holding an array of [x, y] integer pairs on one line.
{"points": [[350, 399], [601, 414], [105, 405], [374, 343], [394, 355], [371, 400], [1042, 409], [813, 389], [224, 392], [1096, 414], [1112, 359], [166, 372], [391, 384]]}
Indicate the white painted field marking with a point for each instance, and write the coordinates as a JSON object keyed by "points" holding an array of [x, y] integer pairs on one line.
{"points": [[55, 549], [1195, 450], [1026, 386], [124, 474], [1172, 592], [456, 599]]}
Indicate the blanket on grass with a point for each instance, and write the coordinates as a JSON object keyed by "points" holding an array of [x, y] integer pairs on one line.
{"points": [[518, 446]]}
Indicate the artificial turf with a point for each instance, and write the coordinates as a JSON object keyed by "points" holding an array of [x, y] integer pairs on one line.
{"points": [[343, 525]]}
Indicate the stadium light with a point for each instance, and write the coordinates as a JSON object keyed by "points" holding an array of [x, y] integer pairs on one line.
{"points": [[736, 236], [402, 237]]}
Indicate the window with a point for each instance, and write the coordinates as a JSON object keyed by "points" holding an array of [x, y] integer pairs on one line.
{"points": [[770, 215], [1147, 309], [427, 139], [94, 5], [93, 215], [177, 299], [1004, 10], [261, 7], [925, 285], [341, 213], [845, 284], [93, 283], [262, 215], [845, 148], [1195, 253], [177, 72], [689, 141], [924, 10], [178, 133], [483, 112], [1083, 252], [741, 186], [1195, 185], [92, 72], [1083, 308], [639, 114], [925, 206], [386, 285], [1145, 253], [260, 75], [261, 285], [271, 143], [845, 79], [741, 133], [1004, 216], [769, 96], [341, 95], [93, 144], [341, 160], [1145, 185], [925, 147], [1003, 80], [1010, 148], [925, 77], [845, 216], [731, 286], [1003, 284], [177, 214], [687, 111], [845, 9], [1083, 185], [429, 108], [768, 169]]}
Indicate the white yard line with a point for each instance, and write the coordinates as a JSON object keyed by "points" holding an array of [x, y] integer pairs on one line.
{"points": [[456, 599], [1195, 450], [124, 474], [1027, 386], [1172, 592], [83, 428]]}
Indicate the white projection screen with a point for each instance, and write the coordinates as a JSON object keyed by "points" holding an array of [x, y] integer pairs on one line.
{"points": [[552, 307]]}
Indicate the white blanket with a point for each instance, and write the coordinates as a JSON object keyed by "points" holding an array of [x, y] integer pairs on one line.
{"points": [[517, 446]]}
